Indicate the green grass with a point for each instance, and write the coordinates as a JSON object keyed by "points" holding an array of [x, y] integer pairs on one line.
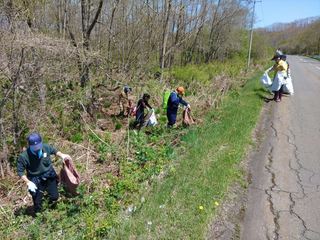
{"points": [[196, 174], [204, 73], [202, 176], [317, 57]]}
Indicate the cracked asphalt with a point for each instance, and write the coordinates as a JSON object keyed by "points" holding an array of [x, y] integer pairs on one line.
{"points": [[284, 193]]}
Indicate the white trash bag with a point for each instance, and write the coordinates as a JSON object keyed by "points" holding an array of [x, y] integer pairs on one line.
{"points": [[288, 87], [265, 80], [152, 120], [277, 82]]}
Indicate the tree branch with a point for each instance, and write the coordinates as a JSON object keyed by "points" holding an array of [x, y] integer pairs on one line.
{"points": [[94, 21]]}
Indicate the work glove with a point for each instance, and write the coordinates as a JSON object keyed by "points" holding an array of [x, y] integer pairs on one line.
{"points": [[32, 187]]}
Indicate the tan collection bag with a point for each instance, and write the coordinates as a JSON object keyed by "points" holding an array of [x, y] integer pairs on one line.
{"points": [[69, 177], [187, 118]]}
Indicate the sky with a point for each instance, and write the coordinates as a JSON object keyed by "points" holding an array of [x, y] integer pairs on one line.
{"points": [[283, 11]]}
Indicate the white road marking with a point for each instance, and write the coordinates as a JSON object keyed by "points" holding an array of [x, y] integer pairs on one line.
{"points": [[318, 68]]}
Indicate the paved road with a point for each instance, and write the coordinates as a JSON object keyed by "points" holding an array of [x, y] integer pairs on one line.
{"points": [[284, 195]]}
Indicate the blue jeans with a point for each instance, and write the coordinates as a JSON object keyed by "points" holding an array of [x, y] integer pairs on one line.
{"points": [[172, 116]]}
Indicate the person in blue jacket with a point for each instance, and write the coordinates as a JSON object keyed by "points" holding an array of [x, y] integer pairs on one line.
{"points": [[174, 100]]}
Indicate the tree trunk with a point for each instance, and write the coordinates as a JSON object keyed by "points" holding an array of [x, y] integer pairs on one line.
{"points": [[65, 11], [178, 31], [4, 160], [14, 100], [110, 29], [86, 32], [165, 35], [211, 40]]}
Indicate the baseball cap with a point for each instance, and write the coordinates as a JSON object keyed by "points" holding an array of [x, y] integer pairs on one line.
{"points": [[35, 141], [275, 57], [180, 90], [283, 57], [127, 89]]}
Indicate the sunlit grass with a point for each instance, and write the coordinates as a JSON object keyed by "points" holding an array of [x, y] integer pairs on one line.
{"points": [[181, 206]]}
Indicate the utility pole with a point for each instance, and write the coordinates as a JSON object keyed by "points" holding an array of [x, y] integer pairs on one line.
{"points": [[251, 33]]}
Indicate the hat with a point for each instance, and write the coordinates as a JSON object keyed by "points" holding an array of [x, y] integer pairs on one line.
{"points": [[275, 57], [283, 57], [35, 141], [127, 89], [180, 90]]}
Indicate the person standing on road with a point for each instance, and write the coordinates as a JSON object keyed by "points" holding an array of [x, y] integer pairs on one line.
{"points": [[174, 100], [284, 58], [41, 176], [280, 68]]}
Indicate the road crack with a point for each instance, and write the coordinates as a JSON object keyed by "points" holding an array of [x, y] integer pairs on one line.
{"points": [[268, 192], [299, 182]]}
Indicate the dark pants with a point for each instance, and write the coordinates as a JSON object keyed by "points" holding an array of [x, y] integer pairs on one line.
{"points": [[172, 116], [49, 185], [278, 94], [139, 120]]}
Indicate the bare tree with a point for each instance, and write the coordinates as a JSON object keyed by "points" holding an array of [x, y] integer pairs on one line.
{"points": [[87, 26], [165, 33]]}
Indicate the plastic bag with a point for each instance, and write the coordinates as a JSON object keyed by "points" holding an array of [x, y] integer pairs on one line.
{"points": [[288, 87], [152, 120], [134, 111], [277, 82], [69, 177], [265, 80], [187, 118]]}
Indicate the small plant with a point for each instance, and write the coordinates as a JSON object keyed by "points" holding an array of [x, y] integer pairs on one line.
{"points": [[77, 138], [118, 126], [107, 104]]}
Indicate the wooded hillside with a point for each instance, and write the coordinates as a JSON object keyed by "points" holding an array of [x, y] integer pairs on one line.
{"points": [[55, 54], [299, 37]]}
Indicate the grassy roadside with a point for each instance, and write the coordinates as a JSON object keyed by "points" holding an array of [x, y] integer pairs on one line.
{"points": [[112, 183], [181, 206], [316, 57]]}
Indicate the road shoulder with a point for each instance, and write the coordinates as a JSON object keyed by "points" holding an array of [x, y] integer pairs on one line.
{"points": [[229, 221]]}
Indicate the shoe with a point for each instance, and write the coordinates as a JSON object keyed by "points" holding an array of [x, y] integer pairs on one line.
{"points": [[278, 100]]}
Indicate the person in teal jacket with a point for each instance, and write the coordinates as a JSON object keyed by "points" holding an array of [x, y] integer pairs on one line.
{"points": [[34, 166]]}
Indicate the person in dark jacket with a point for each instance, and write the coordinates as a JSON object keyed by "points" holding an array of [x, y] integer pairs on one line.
{"points": [[40, 175], [174, 100], [142, 104]]}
